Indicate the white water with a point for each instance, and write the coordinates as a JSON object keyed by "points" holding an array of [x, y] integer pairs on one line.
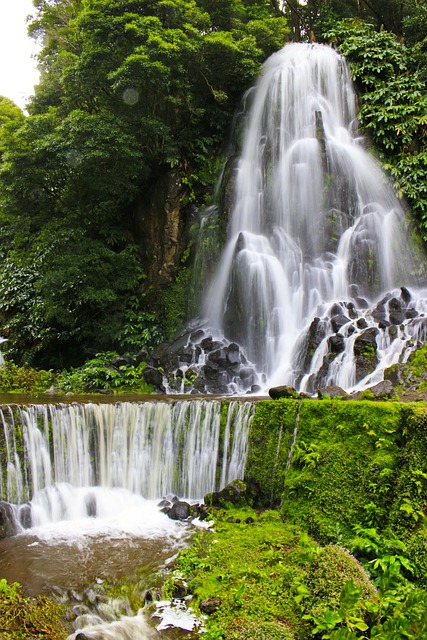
{"points": [[86, 479], [314, 222], [95, 459]]}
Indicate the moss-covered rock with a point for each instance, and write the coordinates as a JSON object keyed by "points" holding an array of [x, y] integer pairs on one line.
{"points": [[327, 574]]}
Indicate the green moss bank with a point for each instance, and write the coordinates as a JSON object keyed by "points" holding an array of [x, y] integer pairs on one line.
{"points": [[328, 464], [341, 551]]}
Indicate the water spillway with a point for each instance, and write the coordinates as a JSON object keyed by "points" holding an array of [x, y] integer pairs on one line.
{"points": [[79, 497], [316, 281], [67, 461]]}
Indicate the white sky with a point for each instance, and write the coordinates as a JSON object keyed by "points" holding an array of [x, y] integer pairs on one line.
{"points": [[18, 74]]}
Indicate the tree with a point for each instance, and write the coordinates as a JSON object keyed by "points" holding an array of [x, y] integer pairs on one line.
{"points": [[9, 111], [129, 89]]}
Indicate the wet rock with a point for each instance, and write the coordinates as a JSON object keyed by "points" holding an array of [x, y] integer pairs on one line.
{"points": [[180, 589], [339, 321], [200, 511], [91, 507], [284, 391], [395, 304], [336, 343], [382, 390], [379, 313], [396, 317], [411, 313], [362, 303], [179, 511], [331, 391], [154, 377], [24, 516], [8, 526], [210, 605], [361, 323], [365, 352], [366, 343], [406, 295], [314, 336]]}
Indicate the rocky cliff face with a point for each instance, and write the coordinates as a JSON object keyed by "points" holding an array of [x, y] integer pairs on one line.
{"points": [[161, 227]]}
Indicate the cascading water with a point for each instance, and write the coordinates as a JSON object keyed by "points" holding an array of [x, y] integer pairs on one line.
{"points": [[73, 459], [81, 485], [316, 238]]}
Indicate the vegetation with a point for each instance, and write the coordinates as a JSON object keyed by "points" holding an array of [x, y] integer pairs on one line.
{"points": [[132, 92], [344, 555], [25, 618]]}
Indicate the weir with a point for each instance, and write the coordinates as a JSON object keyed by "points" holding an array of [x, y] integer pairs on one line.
{"points": [[68, 461]]}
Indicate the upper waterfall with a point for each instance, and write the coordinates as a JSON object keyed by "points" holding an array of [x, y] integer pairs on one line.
{"points": [[317, 263]]}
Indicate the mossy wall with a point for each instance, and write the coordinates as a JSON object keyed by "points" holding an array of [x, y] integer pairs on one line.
{"points": [[352, 463]]}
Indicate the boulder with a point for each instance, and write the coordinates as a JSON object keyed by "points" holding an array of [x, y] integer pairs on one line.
{"points": [[154, 377], [338, 321], [336, 343], [210, 605], [383, 389], [179, 511], [284, 391], [8, 526], [331, 391]]}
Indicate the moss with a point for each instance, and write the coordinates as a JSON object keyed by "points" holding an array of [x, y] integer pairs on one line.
{"points": [[327, 574], [269, 445], [344, 466]]}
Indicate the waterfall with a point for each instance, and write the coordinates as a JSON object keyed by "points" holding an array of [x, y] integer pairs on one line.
{"points": [[75, 460], [317, 249]]}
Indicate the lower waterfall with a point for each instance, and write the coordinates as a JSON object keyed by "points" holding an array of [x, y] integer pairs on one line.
{"points": [[56, 455], [82, 483]]}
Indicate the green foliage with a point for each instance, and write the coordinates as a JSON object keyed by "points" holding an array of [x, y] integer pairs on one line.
{"points": [[23, 618], [99, 373], [9, 111], [15, 379], [128, 90], [393, 105]]}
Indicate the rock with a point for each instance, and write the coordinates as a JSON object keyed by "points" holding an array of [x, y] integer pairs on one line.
{"points": [[338, 321], [396, 317], [395, 374], [405, 294], [123, 361], [179, 511], [154, 377], [394, 304], [24, 516], [365, 351], [8, 526], [200, 511], [383, 389], [52, 391], [90, 502], [411, 313], [285, 391], [210, 605], [180, 589], [332, 391], [336, 343]]}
